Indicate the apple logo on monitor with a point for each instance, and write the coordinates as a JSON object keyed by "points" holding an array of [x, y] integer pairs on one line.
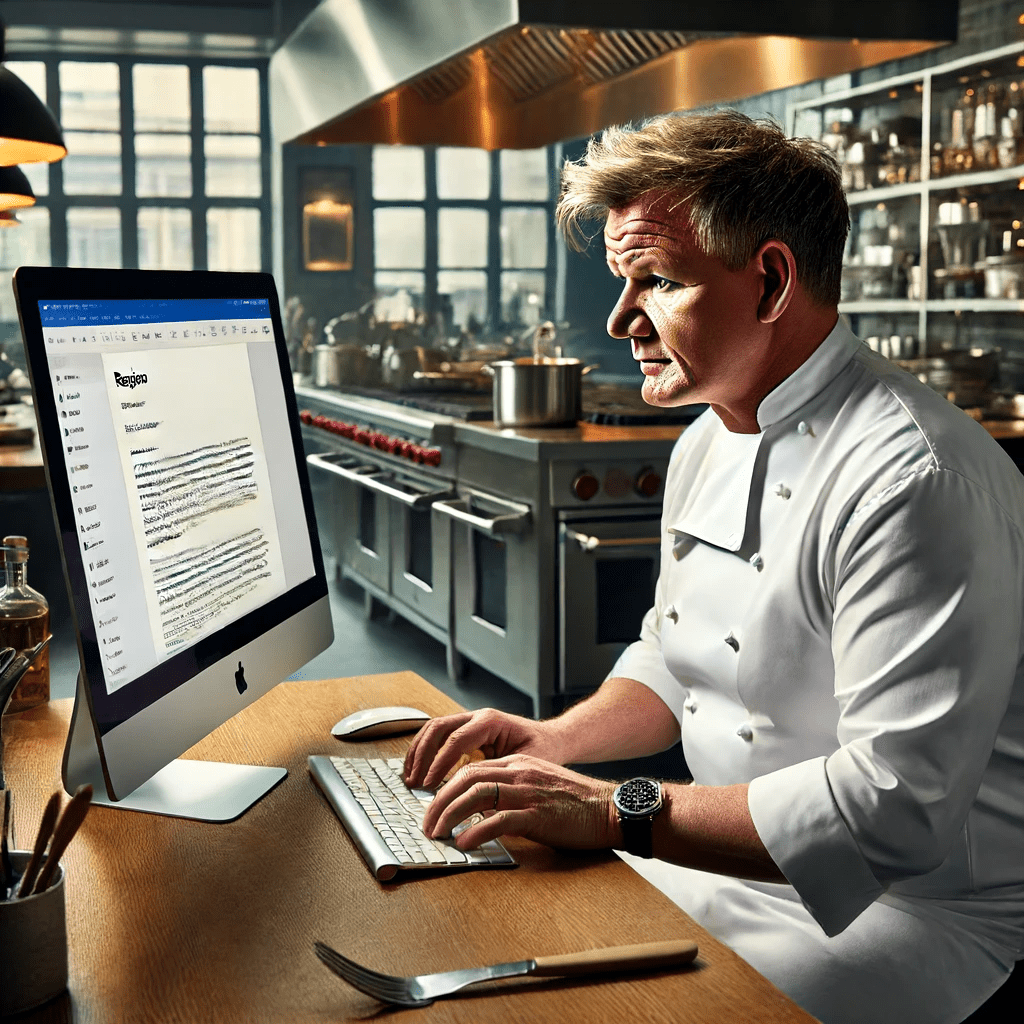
{"points": [[240, 678]]}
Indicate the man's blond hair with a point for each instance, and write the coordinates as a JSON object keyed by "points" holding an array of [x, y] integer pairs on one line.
{"points": [[742, 181]]}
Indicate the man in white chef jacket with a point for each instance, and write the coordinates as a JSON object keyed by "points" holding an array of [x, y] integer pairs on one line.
{"points": [[837, 628]]}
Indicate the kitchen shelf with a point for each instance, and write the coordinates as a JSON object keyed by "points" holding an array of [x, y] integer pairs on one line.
{"points": [[924, 110]]}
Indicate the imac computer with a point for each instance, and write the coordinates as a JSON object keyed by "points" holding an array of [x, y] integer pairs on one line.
{"points": [[171, 442]]}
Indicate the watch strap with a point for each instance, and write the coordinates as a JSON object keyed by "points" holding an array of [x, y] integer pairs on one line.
{"points": [[637, 835]]}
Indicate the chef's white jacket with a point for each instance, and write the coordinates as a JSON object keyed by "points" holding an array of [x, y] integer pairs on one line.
{"points": [[838, 623]]}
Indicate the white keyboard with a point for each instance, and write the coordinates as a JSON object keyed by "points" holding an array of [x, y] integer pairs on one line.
{"points": [[385, 818]]}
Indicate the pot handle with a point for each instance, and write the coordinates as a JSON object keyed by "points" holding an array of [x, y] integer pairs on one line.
{"points": [[587, 369]]}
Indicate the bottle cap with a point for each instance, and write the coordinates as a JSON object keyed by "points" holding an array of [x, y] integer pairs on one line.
{"points": [[15, 549]]}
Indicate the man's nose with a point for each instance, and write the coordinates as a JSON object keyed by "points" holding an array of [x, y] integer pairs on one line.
{"points": [[627, 320]]}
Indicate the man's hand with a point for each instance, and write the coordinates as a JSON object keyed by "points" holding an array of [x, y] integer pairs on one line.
{"points": [[438, 746], [525, 796]]}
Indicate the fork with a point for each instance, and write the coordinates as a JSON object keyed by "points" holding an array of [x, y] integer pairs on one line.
{"points": [[423, 989]]}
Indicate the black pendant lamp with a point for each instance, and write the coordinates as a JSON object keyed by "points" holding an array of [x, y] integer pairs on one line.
{"points": [[15, 191], [28, 131]]}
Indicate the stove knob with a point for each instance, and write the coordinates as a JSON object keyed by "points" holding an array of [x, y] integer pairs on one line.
{"points": [[648, 483], [306, 416], [432, 457], [585, 486], [361, 437]]}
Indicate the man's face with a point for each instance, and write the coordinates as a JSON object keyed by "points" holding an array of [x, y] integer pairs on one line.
{"points": [[692, 323]]}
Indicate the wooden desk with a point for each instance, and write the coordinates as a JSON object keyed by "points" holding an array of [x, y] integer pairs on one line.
{"points": [[172, 920]]}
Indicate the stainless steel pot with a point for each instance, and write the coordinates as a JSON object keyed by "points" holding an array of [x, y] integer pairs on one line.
{"points": [[544, 392], [325, 366]]}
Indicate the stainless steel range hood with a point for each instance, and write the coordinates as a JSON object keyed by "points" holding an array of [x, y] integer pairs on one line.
{"points": [[525, 73]]}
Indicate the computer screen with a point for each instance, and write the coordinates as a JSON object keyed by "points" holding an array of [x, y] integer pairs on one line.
{"points": [[173, 455]]}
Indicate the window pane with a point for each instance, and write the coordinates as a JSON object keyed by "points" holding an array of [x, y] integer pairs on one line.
{"points": [[24, 244], [90, 95], [163, 165], [161, 98], [38, 177], [231, 99], [233, 239], [524, 237], [399, 237], [94, 237], [165, 238], [463, 173], [398, 173], [467, 292], [32, 73], [524, 174], [233, 165], [522, 297], [93, 164], [399, 295], [461, 238]]}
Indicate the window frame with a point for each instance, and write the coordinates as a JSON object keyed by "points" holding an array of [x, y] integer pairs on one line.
{"points": [[493, 206], [128, 203]]}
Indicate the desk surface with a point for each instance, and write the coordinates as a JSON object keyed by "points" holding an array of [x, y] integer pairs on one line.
{"points": [[172, 920]]}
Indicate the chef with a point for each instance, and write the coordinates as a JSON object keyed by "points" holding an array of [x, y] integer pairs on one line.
{"points": [[837, 629]]}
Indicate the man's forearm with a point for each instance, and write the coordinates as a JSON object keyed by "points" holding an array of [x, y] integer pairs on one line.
{"points": [[710, 828], [622, 719]]}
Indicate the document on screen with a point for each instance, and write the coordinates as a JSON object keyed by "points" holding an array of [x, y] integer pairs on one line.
{"points": [[188, 435]]}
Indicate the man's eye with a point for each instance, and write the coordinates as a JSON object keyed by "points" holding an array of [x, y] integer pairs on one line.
{"points": [[662, 284]]}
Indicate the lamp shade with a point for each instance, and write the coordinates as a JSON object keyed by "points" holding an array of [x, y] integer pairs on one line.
{"points": [[8, 220], [28, 132], [15, 191]]}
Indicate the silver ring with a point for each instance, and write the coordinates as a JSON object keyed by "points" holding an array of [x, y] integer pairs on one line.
{"points": [[495, 796]]}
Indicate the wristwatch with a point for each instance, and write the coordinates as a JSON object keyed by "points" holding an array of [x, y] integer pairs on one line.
{"points": [[637, 802]]}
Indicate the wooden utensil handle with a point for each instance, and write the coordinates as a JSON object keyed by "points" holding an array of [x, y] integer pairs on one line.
{"points": [[618, 958]]}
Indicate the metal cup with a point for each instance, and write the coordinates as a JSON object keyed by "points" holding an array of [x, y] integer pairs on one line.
{"points": [[34, 940]]}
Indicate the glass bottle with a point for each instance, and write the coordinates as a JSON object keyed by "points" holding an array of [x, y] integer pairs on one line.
{"points": [[24, 622]]}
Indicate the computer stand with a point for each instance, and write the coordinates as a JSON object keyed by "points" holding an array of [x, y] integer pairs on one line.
{"points": [[198, 790]]}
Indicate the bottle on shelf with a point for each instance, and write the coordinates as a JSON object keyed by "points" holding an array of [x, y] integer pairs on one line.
{"points": [[24, 622]]}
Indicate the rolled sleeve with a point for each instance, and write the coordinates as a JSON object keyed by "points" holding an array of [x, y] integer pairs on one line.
{"points": [[644, 661], [829, 873]]}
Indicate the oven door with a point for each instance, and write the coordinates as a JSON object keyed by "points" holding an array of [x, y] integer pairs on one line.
{"points": [[494, 585], [608, 569], [369, 500]]}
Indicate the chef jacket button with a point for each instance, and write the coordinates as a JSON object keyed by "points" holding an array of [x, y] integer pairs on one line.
{"points": [[745, 732], [803, 427], [671, 613], [757, 561], [732, 642], [783, 491], [690, 705]]}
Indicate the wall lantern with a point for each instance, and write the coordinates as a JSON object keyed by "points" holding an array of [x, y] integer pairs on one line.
{"points": [[15, 191], [327, 219]]}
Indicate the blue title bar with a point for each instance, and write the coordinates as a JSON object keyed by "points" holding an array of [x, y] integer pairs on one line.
{"points": [[82, 312]]}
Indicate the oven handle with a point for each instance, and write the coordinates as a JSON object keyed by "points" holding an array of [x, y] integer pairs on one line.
{"points": [[515, 522], [370, 477], [588, 543]]}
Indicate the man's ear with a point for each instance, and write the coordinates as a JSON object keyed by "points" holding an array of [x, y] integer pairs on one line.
{"points": [[776, 264]]}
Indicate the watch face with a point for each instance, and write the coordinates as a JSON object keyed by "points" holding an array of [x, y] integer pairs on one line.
{"points": [[638, 796]]}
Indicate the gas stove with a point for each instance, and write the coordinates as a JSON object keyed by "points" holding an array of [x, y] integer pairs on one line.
{"points": [[608, 404]]}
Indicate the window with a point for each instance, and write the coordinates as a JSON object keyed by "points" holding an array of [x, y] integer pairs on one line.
{"points": [[463, 234], [167, 169]]}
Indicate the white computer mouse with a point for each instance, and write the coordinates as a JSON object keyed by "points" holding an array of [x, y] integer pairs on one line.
{"points": [[379, 722]]}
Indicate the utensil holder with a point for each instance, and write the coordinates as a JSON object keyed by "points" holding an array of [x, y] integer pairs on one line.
{"points": [[33, 937]]}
